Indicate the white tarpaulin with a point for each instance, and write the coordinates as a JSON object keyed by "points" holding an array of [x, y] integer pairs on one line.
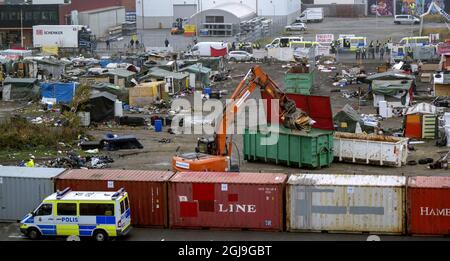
{"points": [[281, 54], [422, 108]]}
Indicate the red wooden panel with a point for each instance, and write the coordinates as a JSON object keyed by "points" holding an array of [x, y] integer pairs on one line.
{"points": [[413, 126]]}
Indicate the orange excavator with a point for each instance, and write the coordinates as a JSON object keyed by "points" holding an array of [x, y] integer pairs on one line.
{"points": [[214, 154]]}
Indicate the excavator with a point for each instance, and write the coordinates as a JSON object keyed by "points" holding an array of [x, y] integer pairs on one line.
{"points": [[214, 154]]}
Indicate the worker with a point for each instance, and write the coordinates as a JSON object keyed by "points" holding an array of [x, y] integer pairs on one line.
{"points": [[131, 43], [137, 44], [166, 42], [372, 52], [258, 46], [381, 53], [233, 46], [358, 53], [364, 53], [377, 47], [108, 45], [30, 163], [333, 47]]}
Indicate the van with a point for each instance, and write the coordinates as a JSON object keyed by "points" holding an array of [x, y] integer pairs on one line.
{"points": [[406, 19], [352, 43], [310, 15], [283, 41], [415, 41], [303, 44], [100, 215], [204, 48]]}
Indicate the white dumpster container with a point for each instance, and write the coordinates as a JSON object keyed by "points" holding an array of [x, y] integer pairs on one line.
{"points": [[370, 149]]}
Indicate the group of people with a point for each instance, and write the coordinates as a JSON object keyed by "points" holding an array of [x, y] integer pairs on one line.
{"points": [[373, 49]]}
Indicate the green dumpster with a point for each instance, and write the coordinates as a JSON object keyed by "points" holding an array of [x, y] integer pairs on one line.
{"points": [[300, 83], [313, 149]]}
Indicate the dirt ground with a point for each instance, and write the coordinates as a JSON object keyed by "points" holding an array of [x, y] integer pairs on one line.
{"points": [[157, 156]]}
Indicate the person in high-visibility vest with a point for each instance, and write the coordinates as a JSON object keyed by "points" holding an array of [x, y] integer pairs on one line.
{"points": [[30, 163]]}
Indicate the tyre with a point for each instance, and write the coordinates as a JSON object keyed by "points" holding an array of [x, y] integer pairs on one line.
{"points": [[100, 236], [33, 234], [288, 29], [233, 60]]}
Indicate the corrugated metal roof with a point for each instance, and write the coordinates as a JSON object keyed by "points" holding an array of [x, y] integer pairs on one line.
{"points": [[429, 182], [347, 180], [229, 177], [10, 80], [22, 172], [116, 174], [121, 72]]}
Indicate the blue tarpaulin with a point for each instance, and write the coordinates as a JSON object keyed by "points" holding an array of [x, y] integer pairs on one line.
{"points": [[62, 92]]}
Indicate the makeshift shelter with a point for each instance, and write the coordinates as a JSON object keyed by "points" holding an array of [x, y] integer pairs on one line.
{"points": [[397, 93], [349, 120], [146, 93], [101, 106], [120, 92], [121, 77], [53, 68], [421, 121], [58, 92], [441, 84], [202, 73], [15, 89], [176, 81]]}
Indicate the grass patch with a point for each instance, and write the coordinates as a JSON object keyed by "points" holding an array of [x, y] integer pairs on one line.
{"points": [[443, 32], [23, 135]]}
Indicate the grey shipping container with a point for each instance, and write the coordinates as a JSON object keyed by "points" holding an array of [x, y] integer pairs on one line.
{"points": [[346, 203], [22, 190]]}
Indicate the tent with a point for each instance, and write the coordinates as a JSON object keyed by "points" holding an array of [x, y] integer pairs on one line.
{"points": [[398, 93], [101, 106], [20, 89], [59, 92]]}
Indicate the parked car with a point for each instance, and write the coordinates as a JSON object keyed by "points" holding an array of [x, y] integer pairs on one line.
{"points": [[296, 27], [240, 56], [406, 19]]}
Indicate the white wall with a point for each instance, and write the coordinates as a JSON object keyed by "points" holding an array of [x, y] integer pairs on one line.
{"points": [[154, 7], [265, 7]]}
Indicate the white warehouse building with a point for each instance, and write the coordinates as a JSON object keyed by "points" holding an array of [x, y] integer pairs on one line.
{"points": [[162, 13]]}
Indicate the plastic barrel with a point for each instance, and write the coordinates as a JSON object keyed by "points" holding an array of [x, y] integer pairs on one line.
{"points": [[158, 125]]}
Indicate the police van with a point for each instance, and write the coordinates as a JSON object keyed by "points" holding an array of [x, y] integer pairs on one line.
{"points": [[100, 215]]}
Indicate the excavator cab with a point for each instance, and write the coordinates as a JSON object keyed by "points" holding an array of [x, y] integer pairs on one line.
{"points": [[206, 146]]}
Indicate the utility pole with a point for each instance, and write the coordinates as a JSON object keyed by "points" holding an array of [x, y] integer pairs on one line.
{"points": [[21, 26]]}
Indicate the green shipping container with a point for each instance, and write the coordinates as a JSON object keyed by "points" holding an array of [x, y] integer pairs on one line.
{"points": [[300, 83], [312, 149]]}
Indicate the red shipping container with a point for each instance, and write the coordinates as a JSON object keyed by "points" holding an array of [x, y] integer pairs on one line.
{"points": [[428, 200], [227, 200], [147, 190], [413, 128]]}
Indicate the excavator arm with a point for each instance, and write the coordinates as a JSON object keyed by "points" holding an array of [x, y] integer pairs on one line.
{"points": [[256, 78]]}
